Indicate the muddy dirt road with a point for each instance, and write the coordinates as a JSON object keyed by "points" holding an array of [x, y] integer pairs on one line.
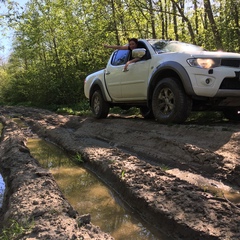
{"points": [[184, 178]]}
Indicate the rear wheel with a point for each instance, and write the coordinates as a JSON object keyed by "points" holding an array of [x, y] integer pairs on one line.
{"points": [[232, 114], [170, 103], [100, 108]]}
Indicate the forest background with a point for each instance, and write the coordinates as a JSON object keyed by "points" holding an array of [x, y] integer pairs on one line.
{"points": [[57, 43]]}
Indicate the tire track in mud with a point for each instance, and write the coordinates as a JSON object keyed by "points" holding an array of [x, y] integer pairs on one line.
{"points": [[172, 146], [33, 206], [184, 210]]}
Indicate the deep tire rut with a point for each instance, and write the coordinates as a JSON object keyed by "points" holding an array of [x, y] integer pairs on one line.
{"points": [[182, 209]]}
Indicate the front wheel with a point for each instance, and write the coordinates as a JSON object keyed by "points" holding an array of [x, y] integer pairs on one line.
{"points": [[100, 108], [170, 104]]}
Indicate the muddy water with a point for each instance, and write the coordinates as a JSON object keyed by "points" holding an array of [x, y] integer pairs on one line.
{"points": [[87, 194]]}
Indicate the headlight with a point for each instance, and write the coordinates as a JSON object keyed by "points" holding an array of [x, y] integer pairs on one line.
{"points": [[204, 62]]}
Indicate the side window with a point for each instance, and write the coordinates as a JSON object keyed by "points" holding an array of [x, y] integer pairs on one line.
{"points": [[120, 57]]}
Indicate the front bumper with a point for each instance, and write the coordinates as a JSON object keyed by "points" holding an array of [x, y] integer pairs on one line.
{"points": [[216, 82]]}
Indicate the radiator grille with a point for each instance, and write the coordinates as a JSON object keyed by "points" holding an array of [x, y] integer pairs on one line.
{"points": [[231, 63], [230, 83]]}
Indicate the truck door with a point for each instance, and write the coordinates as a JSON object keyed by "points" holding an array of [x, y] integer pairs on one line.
{"points": [[135, 81], [114, 73]]}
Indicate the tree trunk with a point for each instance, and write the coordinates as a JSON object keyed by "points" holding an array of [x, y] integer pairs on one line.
{"points": [[196, 16], [217, 37], [237, 20], [185, 19], [151, 12], [175, 23], [115, 23]]}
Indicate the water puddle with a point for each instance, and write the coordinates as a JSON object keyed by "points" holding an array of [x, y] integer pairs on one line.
{"points": [[2, 189], [87, 194], [2, 184]]}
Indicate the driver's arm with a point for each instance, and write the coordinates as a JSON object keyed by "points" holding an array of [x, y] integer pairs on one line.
{"points": [[131, 61]]}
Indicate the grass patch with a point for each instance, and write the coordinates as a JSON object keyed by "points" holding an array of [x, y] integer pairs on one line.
{"points": [[78, 158], [15, 230], [122, 173], [83, 109], [164, 167], [205, 117], [127, 111], [80, 109]]}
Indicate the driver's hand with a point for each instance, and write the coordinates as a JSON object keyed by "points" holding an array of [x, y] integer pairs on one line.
{"points": [[126, 67]]}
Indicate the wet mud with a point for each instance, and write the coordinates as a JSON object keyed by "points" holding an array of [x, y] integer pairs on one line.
{"points": [[183, 179]]}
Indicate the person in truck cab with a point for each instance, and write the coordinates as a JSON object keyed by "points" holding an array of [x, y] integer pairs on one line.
{"points": [[132, 44]]}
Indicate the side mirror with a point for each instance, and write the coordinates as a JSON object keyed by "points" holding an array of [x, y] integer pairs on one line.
{"points": [[138, 52]]}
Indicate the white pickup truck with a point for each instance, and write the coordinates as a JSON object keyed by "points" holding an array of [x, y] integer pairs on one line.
{"points": [[169, 81]]}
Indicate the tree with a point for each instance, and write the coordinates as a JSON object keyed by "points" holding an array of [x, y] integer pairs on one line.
{"points": [[216, 34], [57, 43]]}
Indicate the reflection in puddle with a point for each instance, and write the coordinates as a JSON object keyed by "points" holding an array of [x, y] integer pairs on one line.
{"points": [[89, 195], [2, 189], [2, 184]]}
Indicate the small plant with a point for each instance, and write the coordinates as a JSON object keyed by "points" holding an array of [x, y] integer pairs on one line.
{"points": [[111, 161], [15, 229], [78, 158], [164, 167], [65, 110], [205, 188], [122, 173]]}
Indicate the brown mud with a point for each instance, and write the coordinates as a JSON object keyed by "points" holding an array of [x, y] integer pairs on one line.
{"points": [[184, 179]]}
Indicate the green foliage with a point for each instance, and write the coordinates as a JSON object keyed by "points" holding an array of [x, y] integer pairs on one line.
{"points": [[164, 167], [78, 158], [15, 230], [205, 117], [4, 81], [58, 43], [128, 111], [82, 108], [123, 173]]}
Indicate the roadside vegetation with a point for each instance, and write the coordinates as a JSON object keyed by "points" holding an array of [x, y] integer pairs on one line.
{"points": [[58, 43], [15, 230]]}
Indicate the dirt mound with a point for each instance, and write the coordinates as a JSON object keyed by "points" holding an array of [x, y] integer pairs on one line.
{"points": [[182, 177], [32, 197]]}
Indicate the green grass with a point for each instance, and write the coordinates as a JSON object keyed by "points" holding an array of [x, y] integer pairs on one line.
{"points": [[205, 117], [78, 158], [130, 111], [80, 109], [164, 167], [15, 230], [122, 173], [83, 109]]}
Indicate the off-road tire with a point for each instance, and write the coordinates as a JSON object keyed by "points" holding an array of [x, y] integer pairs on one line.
{"points": [[170, 104], [100, 108]]}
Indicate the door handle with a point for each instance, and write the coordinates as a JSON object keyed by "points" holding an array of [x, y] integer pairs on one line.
{"points": [[107, 72]]}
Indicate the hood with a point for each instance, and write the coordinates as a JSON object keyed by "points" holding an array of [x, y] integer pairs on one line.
{"points": [[215, 54]]}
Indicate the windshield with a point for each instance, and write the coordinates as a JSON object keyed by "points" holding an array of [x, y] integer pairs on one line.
{"points": [[163, 46]]}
